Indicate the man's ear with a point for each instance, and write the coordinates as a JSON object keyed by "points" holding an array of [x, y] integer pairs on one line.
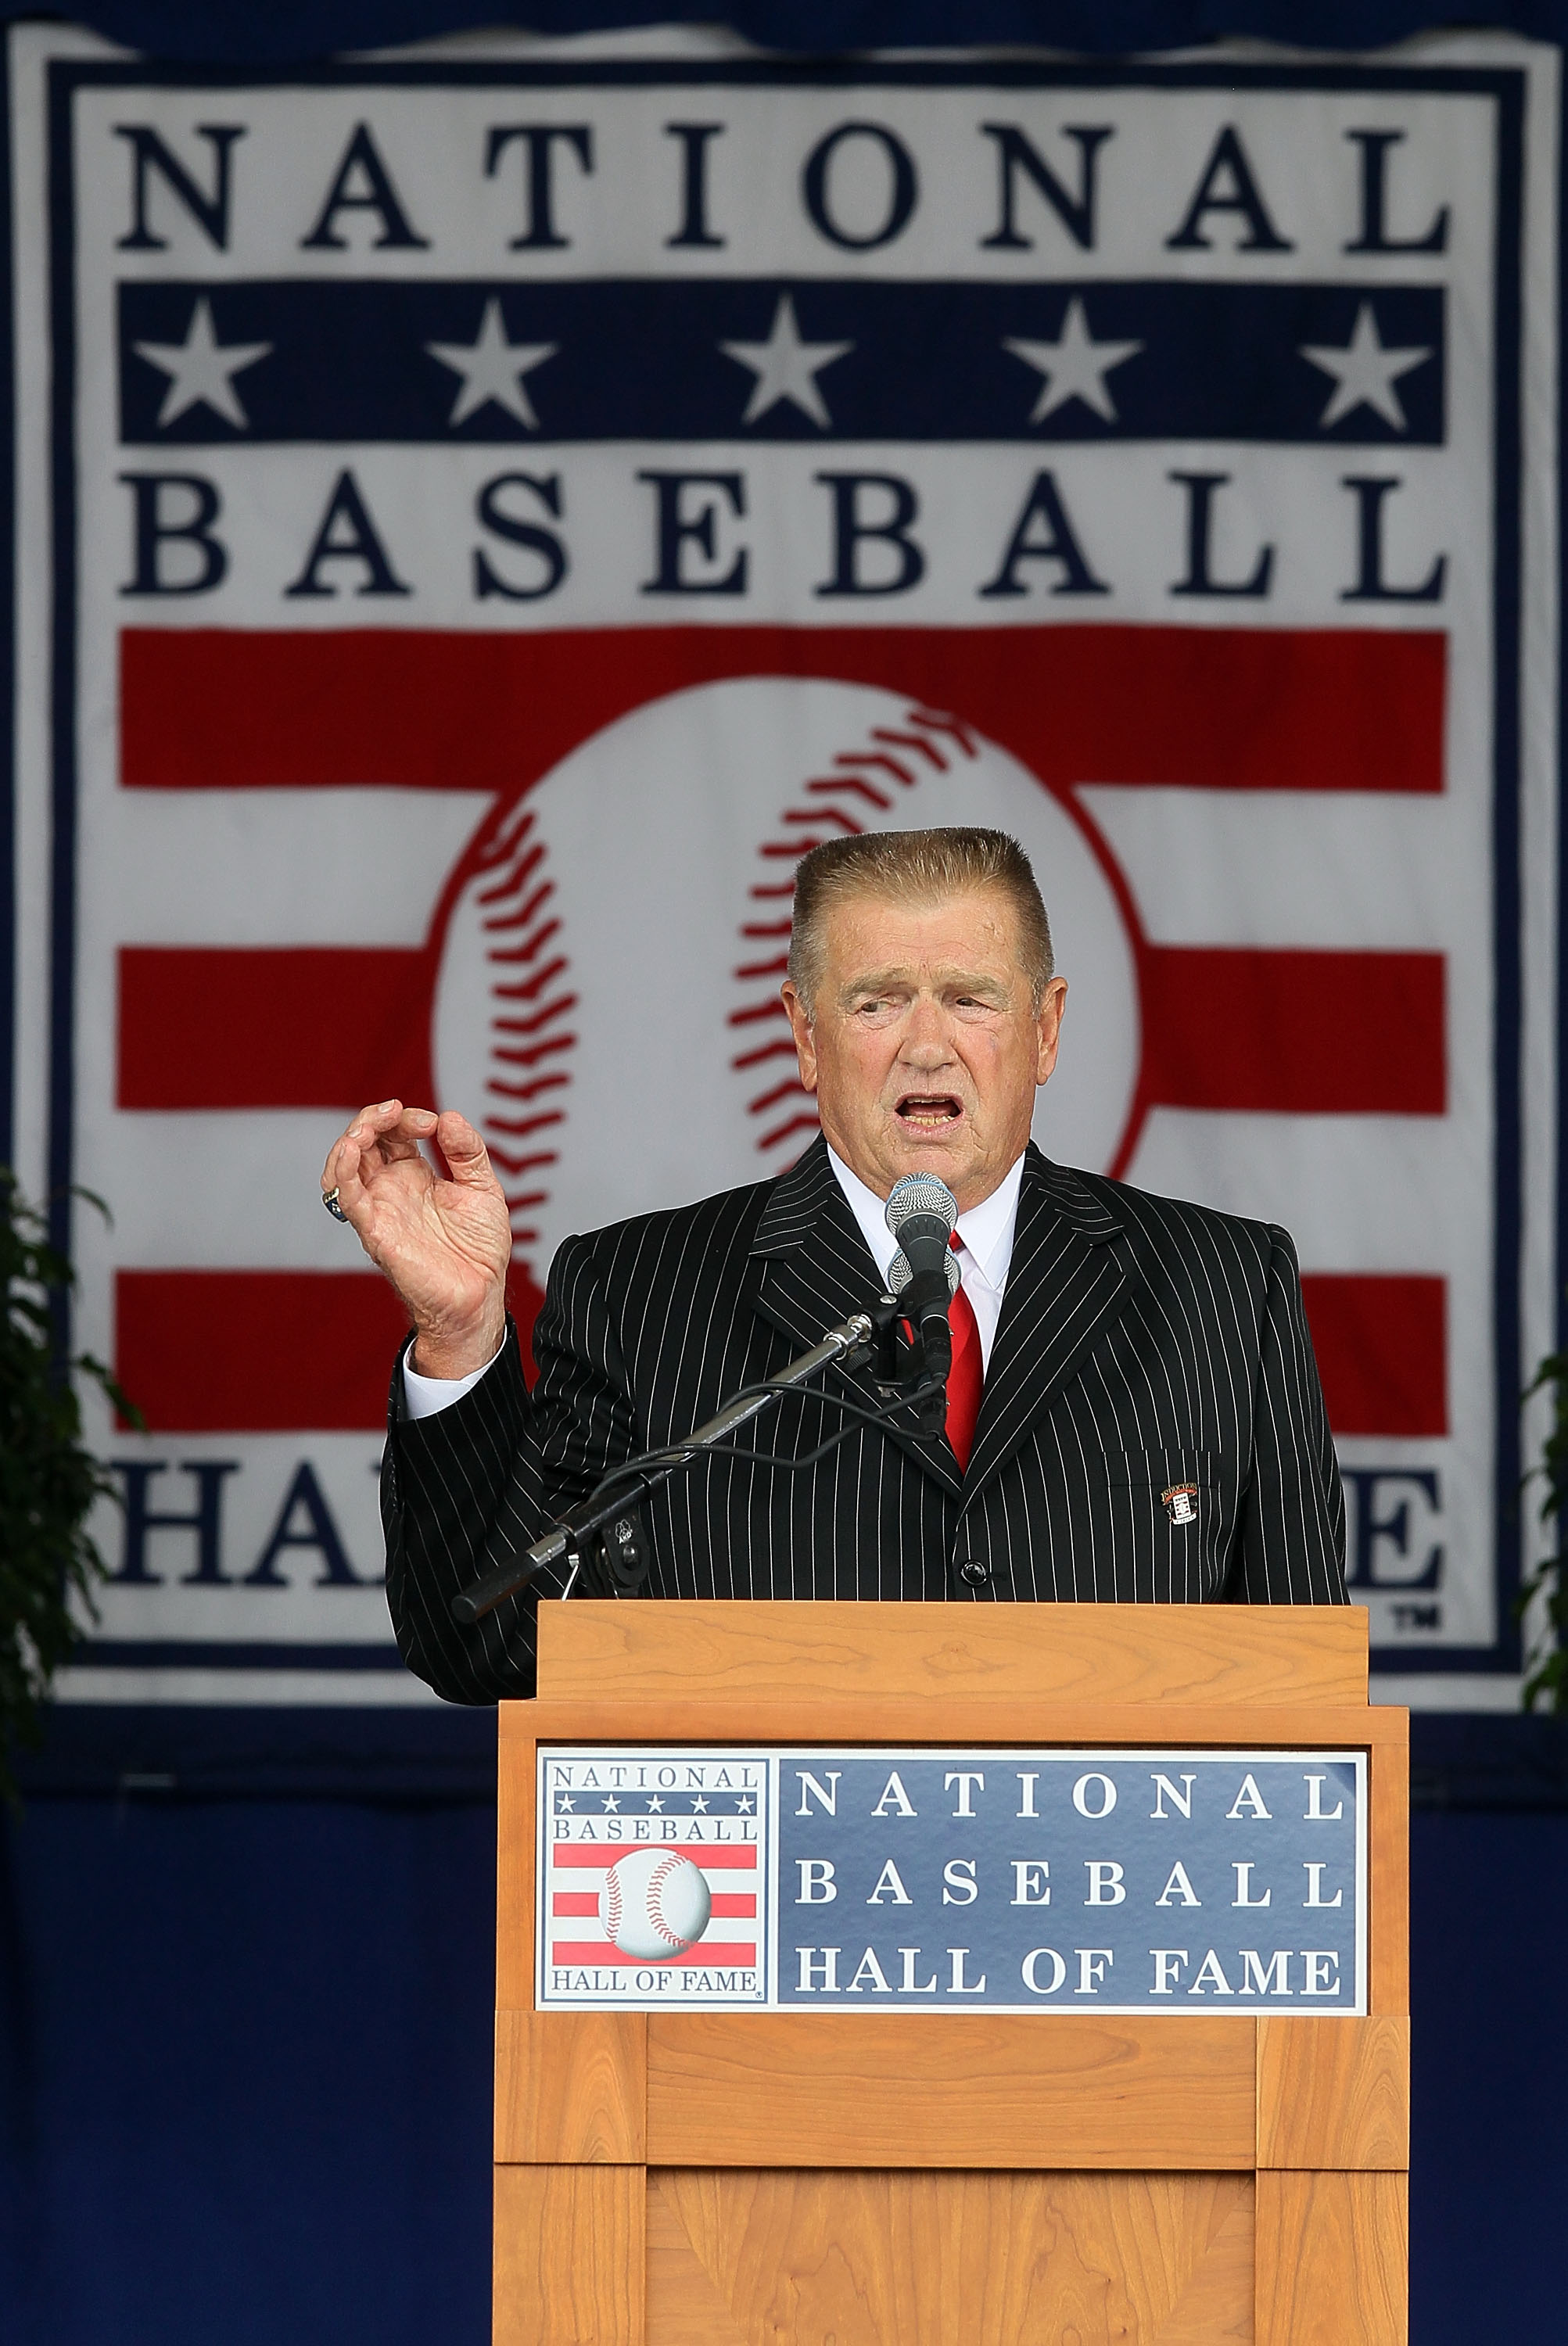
{"points": [[1048, 1027], [800, 1027]]}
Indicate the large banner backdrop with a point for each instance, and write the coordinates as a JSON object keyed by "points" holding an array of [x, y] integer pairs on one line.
{"points": [[481, 517]]}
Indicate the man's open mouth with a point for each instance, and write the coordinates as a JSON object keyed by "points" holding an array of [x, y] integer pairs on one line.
{"points": [[929, 1111]]}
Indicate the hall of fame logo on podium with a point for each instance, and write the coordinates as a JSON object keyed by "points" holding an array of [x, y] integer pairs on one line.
{"points": [[653, 1879], [941, 1880]]}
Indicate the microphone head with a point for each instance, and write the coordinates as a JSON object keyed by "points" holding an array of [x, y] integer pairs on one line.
{"points": [[920, 1193], [899, 1274]]}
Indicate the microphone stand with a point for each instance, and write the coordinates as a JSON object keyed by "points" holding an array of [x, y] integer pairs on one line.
{"points": [[861, 1337]]}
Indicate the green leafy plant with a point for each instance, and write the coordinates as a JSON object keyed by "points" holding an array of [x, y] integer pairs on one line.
{"points": [[48, 1480], [1547, 1682]]}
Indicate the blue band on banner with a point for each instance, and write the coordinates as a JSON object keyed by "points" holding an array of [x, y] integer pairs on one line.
{"points": [[354, 361]]}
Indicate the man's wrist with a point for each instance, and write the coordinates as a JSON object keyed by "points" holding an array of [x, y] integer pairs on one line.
{"points": [[448, 1353], [427, 1397]]}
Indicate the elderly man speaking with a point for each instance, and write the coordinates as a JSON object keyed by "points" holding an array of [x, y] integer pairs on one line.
{"points": [[1133, 1411]]}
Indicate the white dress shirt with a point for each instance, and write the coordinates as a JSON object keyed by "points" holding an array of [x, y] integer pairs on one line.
{"points": [[425, 1396], [986, 1231]]}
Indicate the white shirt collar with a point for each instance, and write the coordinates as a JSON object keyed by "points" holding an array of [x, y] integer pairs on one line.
{"points": [[986, 1229]]}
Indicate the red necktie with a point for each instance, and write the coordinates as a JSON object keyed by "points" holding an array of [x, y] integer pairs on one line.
{"points": [[967, 1374]]}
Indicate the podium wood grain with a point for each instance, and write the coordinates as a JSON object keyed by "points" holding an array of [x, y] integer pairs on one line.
{"points": [[1334, 2092], [963, 1718], [514, 1870], [1332, 2254], [570, 2086], [935, 2179], [1301, 1654], [1388, 1871], [803, 2089], [570, 2256], [770, 2258]]}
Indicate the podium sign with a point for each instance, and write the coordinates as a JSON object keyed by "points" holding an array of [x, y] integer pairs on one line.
{"points": [[951, 1881], [951, 1976]]}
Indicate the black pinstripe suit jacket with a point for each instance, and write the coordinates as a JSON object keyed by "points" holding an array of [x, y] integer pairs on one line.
{"points": [[1142, 1343]]}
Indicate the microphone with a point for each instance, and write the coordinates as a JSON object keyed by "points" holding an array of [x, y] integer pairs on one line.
{"points": [[921, 1213]]}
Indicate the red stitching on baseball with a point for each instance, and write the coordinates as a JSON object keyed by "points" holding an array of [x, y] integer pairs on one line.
{"points": [[927, 734], [867, 791], [528, 1007], [658, 1880]]}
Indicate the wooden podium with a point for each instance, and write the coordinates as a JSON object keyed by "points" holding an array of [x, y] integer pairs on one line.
{"points": [[916, 2178]]}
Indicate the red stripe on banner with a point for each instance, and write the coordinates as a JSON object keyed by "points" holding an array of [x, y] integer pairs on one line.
{"points": [[257, 1351], [230, 1352], [1381, 1342], [701, 1854], [599, 1950], [728, 1904], [272, 1026], [1209, 707], [1301, 1033]]}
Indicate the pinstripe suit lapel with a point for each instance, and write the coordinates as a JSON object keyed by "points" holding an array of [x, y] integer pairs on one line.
{"points": [[815, 1268], [1064, 1283]]}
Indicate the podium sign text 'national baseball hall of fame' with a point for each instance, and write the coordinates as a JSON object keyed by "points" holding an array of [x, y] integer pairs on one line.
{"points": [[1122, 1880]]}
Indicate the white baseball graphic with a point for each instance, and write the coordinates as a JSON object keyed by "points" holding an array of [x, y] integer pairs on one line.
{"points": [[608, 1005], [654, 1905]]}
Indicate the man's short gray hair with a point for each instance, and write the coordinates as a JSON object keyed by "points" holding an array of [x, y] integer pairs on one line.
{"points": [[914, 867]]}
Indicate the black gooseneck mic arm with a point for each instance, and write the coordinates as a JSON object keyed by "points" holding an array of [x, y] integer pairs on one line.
{"points": [[850, 1345]]}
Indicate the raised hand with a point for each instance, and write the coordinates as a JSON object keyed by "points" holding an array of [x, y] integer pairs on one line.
{"points": [[444, 1244]]}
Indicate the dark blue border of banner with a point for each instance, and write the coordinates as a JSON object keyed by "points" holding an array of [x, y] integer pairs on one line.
{"points": [[231, 1653], [60, 1148], [1508, 940], [1505, 85], [1560, 1257], [8, 940], [242, 33]]}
